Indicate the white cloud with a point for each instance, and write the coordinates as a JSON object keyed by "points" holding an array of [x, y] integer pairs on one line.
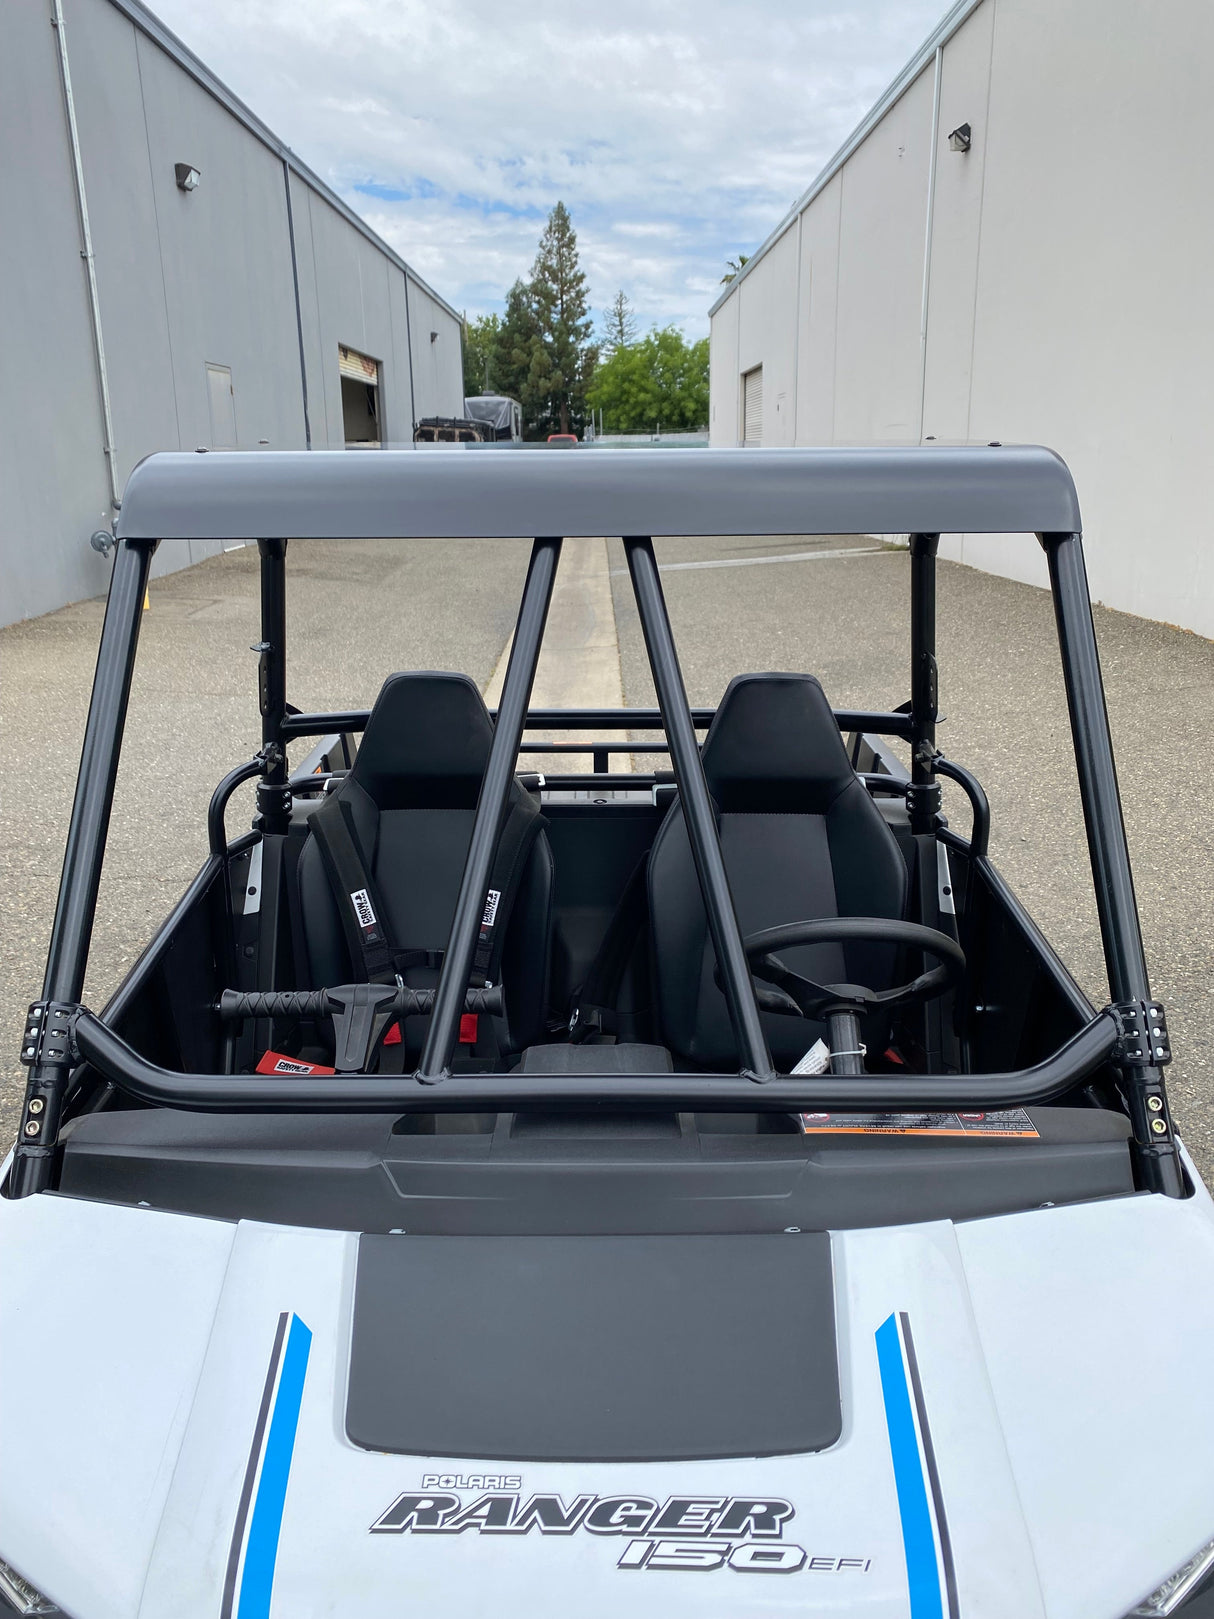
{"points": [[677, 132]]}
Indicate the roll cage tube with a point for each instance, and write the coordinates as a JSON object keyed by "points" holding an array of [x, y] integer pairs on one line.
{"points": [[490, 810], [1073, 1062], [774, 492], [48, 1060]]}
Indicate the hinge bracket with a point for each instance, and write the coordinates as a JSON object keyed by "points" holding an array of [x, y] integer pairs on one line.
{"points": [[1142, 1030]]}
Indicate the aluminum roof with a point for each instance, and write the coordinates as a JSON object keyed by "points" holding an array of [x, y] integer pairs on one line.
{"points": [[468, 491]]}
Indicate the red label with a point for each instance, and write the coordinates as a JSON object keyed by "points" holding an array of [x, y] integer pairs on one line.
{"points": [[274, 1062], [392, 1038], [467, 1029]]}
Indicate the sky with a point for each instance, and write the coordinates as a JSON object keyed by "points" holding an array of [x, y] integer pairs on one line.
{"points": [[677, 132]]}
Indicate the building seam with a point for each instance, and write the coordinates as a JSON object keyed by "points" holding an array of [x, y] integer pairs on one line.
{"points": [[409, 350], [834, 346], [303, 365], [796, 329], [986, 142], [164, 289], [927, 236], [86, 252], [320, 336]]}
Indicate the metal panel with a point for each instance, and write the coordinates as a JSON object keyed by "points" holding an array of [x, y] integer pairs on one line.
{"points": [[438, 375], [52, 469], [151, 26], [184, 280], [355, 309], [947, 27], [470, 491]]}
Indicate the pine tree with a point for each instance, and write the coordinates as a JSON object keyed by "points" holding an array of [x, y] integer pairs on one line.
{"points": [[562, 362], [620, 324], [514, 344]]}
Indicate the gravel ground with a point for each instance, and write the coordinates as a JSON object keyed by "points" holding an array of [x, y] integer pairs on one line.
{"points": [[360, 609]]}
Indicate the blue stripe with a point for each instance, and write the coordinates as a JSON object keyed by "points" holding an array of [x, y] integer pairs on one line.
{"points": [[261, 1549], [918, 1540]]}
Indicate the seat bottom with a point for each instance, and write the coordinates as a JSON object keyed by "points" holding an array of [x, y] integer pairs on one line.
{"points": [[626, 1057]]}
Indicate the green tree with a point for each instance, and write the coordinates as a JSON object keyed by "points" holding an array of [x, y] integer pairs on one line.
{"points": [[517, 337], [480, 345], [563, 359], [660, 381], [620, 324], [734, 267]]}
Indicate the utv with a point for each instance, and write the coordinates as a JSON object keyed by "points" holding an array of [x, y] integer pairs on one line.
{"points": [[697, 1193]]}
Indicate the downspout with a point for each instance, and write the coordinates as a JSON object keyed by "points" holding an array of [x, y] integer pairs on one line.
{"points": [[86, 253], [927, 237]]}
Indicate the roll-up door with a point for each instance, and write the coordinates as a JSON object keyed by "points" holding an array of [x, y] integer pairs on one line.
{"points": [[752, 406], [362, 416]]}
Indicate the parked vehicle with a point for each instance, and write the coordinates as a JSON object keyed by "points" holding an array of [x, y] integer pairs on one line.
{"points": [[503, 416], [708, 1195], [562, 438], [450, 430]]}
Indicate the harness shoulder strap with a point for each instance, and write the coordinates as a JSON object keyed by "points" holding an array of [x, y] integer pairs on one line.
{"points": [[363, 918], [523, 825]]}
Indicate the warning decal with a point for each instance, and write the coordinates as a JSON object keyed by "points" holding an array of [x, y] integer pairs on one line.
{"points": [[1009, 1122], [273, 1062]]}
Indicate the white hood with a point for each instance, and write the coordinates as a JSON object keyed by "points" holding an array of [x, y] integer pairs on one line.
{"points": [[1028, 1421]]}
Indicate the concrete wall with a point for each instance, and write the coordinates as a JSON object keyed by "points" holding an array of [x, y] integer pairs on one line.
{"points": [[1067, 288], [186, 280]]}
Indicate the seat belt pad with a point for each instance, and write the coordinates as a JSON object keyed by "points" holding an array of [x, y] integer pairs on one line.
{"points": [[359, 904], [523, 824]]}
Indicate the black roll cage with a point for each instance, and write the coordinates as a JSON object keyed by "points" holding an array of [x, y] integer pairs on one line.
{"points": [[450, 494]]}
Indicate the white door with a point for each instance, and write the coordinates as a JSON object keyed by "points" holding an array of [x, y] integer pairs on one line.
{"points": [[222, 402], [752, 407]]}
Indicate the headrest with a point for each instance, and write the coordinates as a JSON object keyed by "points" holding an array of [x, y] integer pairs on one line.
{"points": [[774, 746], [426, 743]]}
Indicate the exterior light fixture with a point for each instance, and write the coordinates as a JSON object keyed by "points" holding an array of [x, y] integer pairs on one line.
{"points": [[434, 337], [961, 138], [187, 176]]}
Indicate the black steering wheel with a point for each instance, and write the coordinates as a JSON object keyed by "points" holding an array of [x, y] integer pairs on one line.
{"points": [[796, 994]]}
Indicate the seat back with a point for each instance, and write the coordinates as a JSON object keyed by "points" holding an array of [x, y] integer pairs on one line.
{"points": [[412, 794], [801, 839]]}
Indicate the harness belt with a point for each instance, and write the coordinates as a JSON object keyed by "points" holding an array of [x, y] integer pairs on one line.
{"points": [[364, 917]]}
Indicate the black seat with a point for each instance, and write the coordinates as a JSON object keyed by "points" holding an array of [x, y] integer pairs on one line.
{"points": [[801, 839], [412, 794]]}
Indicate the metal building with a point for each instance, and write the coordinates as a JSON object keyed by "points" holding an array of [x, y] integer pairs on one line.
{"points": [[1014, 245], [173, 277]]}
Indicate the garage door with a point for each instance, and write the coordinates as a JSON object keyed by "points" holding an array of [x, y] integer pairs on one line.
{"points": [[752, 406]]}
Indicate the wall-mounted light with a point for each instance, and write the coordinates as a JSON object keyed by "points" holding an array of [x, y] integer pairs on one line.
{"points": [[187, 176], [961, 138], [434, 337]]}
